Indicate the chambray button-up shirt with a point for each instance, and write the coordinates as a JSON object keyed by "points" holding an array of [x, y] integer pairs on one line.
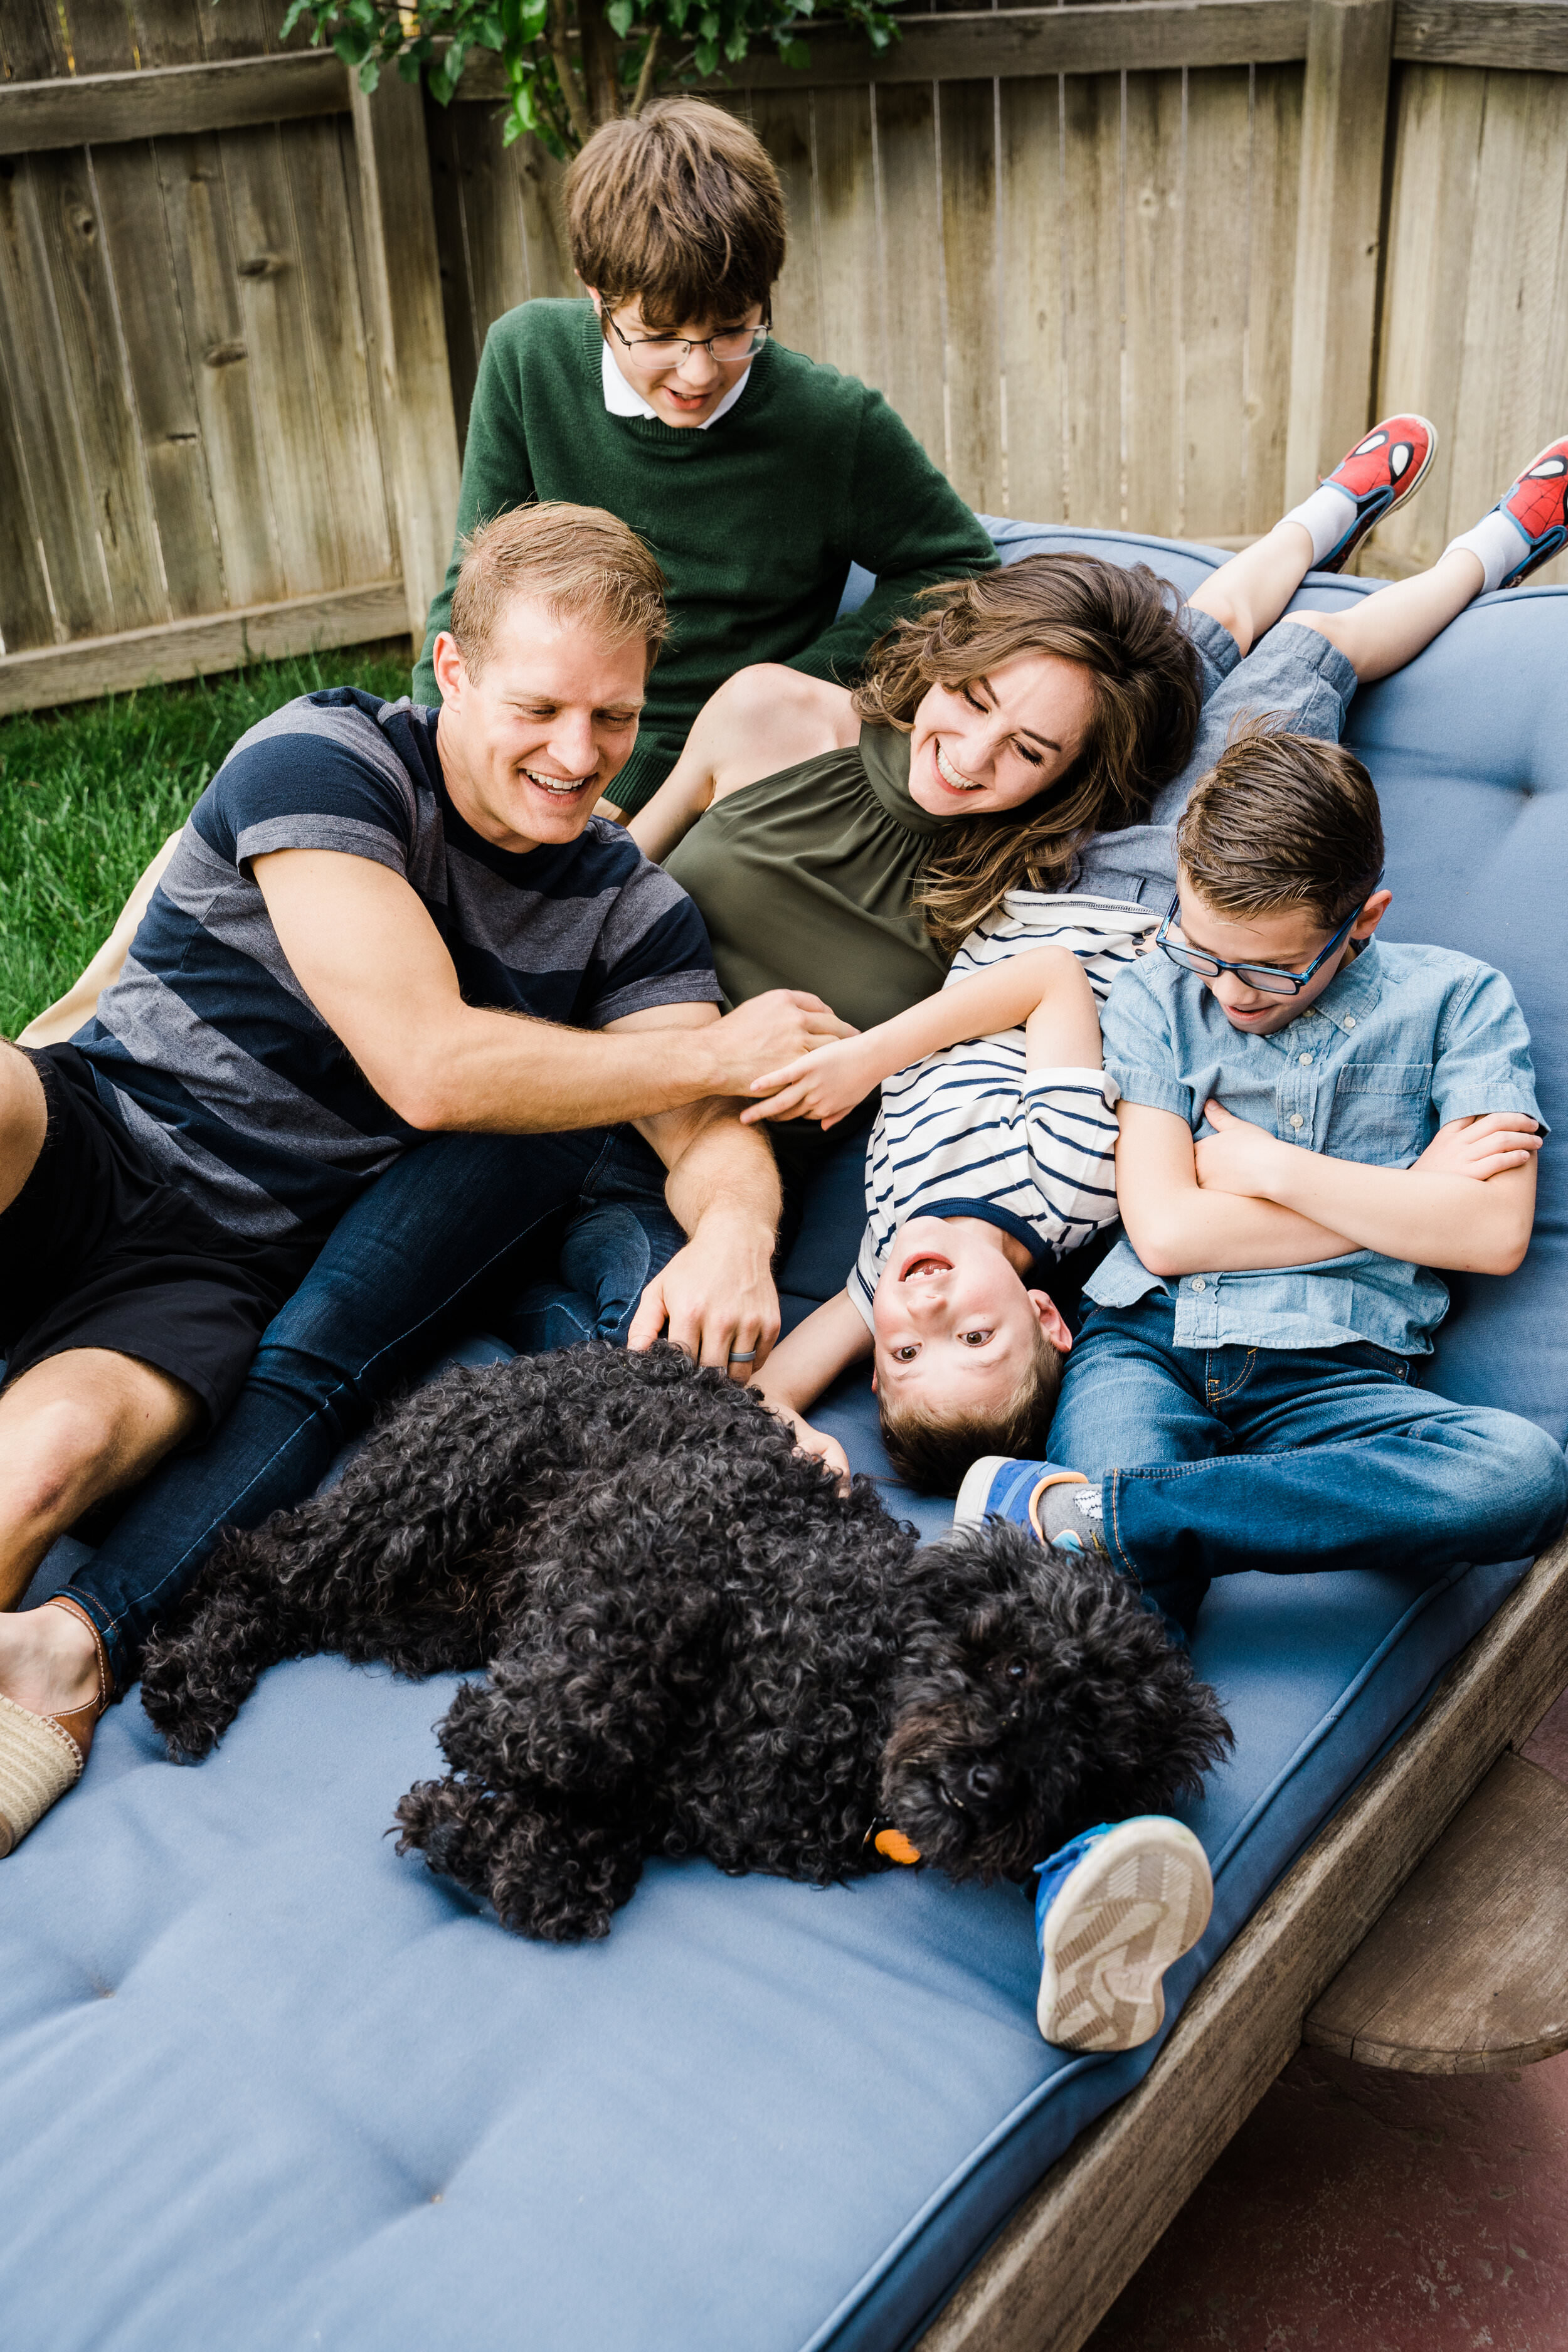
{"points": [[1401, 1041]]}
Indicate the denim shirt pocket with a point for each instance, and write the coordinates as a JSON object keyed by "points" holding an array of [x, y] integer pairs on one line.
{"points": [[1382, 1113]]}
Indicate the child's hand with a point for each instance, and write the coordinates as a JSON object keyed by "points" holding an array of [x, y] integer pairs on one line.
{"points": [[825, 1084], [1483, 1147], [1238, 1157], [816, 1442]]}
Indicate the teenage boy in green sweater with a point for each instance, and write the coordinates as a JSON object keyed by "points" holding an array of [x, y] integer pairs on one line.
{"points": [[757, 475]]}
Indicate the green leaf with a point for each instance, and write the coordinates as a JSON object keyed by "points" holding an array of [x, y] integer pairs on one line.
{"points": [[796, 53], [298, 8], [706, 58], [369, 75], [620, 14], [352, 46]]}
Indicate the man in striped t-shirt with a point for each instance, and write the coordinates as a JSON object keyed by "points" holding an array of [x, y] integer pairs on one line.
{"points": [[991, 1158], [394, 990]]}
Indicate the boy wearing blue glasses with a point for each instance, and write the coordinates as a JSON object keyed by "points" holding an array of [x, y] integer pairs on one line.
{"points": [[1312, 1121], [755, 474]]}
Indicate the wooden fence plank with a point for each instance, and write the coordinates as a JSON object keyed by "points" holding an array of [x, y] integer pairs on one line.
{"points": [[845, 230], [452, 165], [1096, 306], [164, 32], [136, 244], [1152, 194], [418, 430], [1032, 285], [202, 255], [219, 641], [48, 429], [972, 356], [318, 159], [1277, 93], [1090, 37], [1339, 232], [1523, 35], [277, 341], [1215, 292], [781, 120], [906, 153], [33, 44], [116, 478], [25, 616], [73, 110]]}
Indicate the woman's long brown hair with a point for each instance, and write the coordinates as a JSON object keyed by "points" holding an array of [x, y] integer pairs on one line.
{"points": [[1120, 622]]}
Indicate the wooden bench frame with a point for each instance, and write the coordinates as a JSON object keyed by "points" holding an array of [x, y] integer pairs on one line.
{"points": [[1073, 2244]]}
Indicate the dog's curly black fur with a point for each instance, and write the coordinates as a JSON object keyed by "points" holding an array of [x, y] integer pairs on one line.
{"points": [[696, 1646]]}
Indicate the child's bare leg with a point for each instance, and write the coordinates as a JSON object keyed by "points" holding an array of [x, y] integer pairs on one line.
{"points": [[1383, 631], [1248, 595]]}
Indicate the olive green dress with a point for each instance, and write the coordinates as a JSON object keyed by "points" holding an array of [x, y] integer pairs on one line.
{"points": [[805, 880]]}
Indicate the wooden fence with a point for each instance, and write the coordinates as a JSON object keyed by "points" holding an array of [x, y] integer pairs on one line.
{"points": [[1140, 262]]}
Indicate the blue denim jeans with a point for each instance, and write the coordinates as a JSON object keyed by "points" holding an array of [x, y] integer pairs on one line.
{"points": [[441, 1245], [1218, 1460], [619, 1237]]}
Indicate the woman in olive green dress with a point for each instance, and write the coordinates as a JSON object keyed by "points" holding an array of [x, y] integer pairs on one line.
{"points": [[847, 842]]}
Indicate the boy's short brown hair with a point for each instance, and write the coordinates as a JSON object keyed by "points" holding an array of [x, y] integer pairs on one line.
{"points": [[931, 1456], [681, 208], [579, 563], [1282, 821]]}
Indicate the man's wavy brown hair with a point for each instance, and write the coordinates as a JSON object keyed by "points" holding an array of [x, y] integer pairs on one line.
{"points": [[1122, 624]]}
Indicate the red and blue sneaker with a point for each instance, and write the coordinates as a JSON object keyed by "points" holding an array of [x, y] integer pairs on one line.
{"points": [[1113, 1911], [1537, 505], [1379, 473]]}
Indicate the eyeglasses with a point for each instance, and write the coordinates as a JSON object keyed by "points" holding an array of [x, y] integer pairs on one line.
{"points": [[1269, 978], [733, 344]]}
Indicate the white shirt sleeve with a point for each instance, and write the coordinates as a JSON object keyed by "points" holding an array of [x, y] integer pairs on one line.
{"points": [[1069, 1121]]}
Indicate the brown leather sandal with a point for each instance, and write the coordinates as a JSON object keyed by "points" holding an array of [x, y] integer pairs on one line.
{"points": [[41, 1756]]}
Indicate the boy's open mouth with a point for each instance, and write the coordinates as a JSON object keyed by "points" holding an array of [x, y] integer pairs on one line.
{"points": [[924, 1262]]}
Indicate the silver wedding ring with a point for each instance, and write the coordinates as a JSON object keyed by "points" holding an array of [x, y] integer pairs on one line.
{"points": [[745, 1356]]}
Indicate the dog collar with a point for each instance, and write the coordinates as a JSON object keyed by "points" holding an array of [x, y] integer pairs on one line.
{"points": [[890, 1843]]}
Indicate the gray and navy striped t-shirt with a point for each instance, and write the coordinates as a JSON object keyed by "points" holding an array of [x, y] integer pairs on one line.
{"points": [[974, 1132], [207, 1047]]}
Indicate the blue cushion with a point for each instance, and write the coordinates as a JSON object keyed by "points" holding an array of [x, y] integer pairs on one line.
{"points": [[265, 2084]]}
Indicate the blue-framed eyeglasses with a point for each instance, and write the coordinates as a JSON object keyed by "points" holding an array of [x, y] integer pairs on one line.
{"points": [[1269, 978]]}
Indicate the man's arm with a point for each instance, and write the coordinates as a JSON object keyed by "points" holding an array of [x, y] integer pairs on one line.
{"points": [[1458, 1224], [1178, 1228], [374, 965], [716, 1297]]}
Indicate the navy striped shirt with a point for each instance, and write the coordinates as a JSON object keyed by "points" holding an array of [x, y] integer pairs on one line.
{"points": [[207, 1048]]}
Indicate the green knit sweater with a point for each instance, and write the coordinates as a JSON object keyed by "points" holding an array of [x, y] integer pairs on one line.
{"points": [[755, 522]]}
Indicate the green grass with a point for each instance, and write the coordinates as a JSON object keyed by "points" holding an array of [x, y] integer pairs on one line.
{"points": [[86, 794]]}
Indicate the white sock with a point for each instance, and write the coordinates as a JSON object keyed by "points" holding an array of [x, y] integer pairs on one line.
{"points": [[1498, 543], [1324, 517]]}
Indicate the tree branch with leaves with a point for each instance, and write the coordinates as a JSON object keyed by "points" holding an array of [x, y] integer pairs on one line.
{"points": [[570, 65]]}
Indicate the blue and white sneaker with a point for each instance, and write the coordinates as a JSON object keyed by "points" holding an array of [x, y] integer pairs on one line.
{"points": [[1113, 1911], [1060, 1506]]}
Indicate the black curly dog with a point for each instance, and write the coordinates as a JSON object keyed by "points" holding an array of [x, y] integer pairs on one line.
{"points": [[699, 1646]]}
